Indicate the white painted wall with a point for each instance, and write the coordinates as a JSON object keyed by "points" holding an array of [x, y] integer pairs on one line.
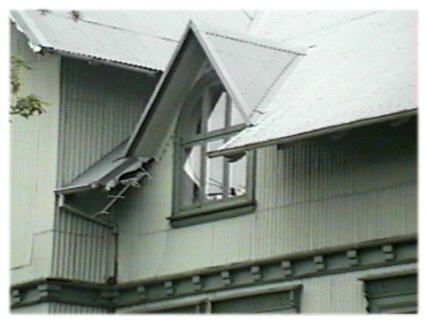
{"points": [[33, 149]]}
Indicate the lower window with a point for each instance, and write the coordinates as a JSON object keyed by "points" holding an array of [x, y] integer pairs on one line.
{"points": [[281, 302], [392, 294]]}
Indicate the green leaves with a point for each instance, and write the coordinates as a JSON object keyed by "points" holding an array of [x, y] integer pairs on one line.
{"points": [[24, 106], [28, 106]]}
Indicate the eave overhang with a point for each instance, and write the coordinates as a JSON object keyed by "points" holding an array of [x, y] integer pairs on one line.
{"points": [[238, 150]]}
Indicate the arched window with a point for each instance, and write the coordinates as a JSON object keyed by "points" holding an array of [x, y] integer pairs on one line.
{"points": [[209, 187]]}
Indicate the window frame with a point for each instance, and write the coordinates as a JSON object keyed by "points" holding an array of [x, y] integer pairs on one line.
{"points": [[207, 211], [391, 293], [284, 300]]}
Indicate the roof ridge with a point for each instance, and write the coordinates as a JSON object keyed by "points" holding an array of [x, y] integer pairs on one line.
{"points": [[254, 43]]}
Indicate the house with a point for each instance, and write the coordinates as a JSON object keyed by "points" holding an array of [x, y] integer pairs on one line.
{"points": [[268, 165]]}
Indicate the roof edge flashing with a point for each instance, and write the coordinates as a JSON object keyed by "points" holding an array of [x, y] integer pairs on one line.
{"points": [[252, 39], [238, 149], [148, 111]]}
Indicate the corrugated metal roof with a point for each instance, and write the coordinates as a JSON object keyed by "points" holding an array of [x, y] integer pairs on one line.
{"points": [[138, 38], [255, 65], [357, 68]]}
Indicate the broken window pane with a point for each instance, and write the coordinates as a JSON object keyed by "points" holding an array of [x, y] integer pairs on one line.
{"points": [[214, 176], [216, 119], [238, 177], [191, 175], [198, 117]]}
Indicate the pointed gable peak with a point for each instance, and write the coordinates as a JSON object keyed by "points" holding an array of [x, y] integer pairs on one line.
{"points": [[249, 68]]}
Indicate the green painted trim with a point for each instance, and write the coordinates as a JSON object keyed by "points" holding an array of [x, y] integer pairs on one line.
{"points": [[204, 215], [206, 211], [250, 274], [392, 294]]}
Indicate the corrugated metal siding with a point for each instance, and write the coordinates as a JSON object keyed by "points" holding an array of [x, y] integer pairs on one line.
{"points": [[153, 202], [315, 194], [59, 308], [33, 150], [326, 193], [99, 108], [145, 211], [83, 250]]}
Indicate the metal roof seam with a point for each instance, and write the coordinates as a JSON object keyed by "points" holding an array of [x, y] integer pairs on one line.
{"points": [[253, 43], [335, 25]]}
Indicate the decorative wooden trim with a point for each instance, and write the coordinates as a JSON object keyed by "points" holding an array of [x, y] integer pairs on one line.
{"points": [[352, 257], [251, 274]]}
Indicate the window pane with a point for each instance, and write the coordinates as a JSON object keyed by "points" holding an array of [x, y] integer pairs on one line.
{"points": [[238, 177], [216, 119], [191, 175], [214, 176]]}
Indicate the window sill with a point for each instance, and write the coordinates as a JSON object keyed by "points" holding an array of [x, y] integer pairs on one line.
{"points": [[206, 214]]}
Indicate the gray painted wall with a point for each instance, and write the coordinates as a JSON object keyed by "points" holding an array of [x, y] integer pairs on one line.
{"points": [[314, 194], [34, 151]]}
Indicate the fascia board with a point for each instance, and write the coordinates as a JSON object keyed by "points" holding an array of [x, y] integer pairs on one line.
{"points": [[157, 93]]}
